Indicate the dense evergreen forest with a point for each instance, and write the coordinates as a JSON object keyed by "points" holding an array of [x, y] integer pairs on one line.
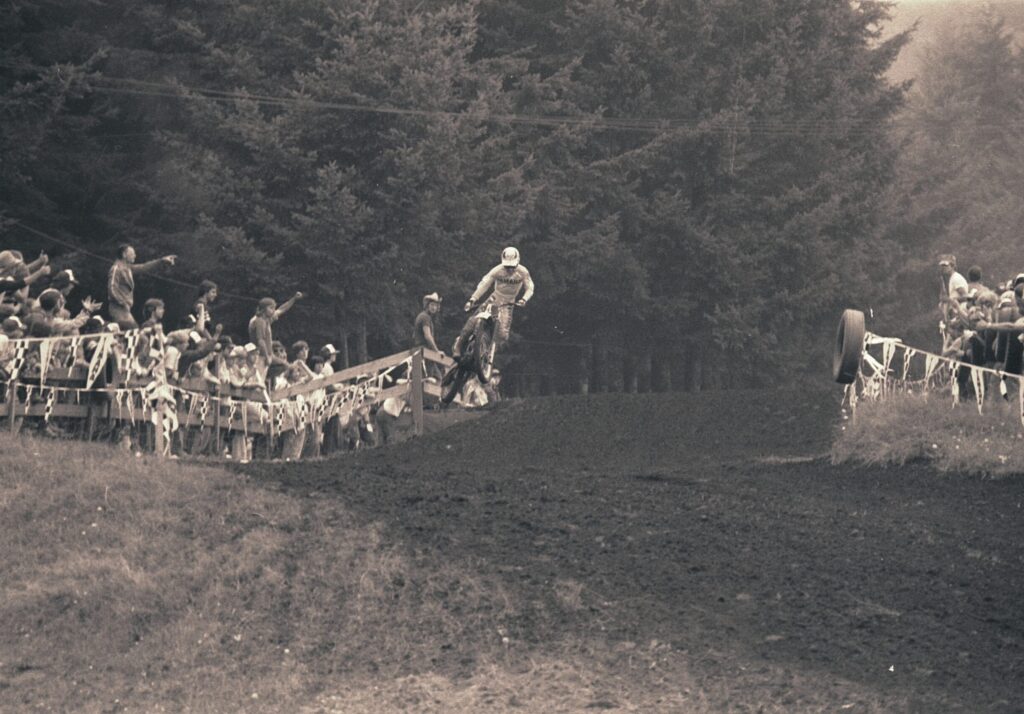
{"points": [[697, 186]]}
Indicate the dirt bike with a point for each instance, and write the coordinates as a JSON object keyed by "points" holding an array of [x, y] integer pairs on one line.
{"points": [[477, 354]]}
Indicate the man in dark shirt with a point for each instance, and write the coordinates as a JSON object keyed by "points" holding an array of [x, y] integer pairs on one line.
{"points": [[423, 330]]}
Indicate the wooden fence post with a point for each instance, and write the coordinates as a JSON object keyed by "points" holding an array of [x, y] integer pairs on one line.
{"points": [[12, 404], [416, 396], [158, 428], [218, 453]]}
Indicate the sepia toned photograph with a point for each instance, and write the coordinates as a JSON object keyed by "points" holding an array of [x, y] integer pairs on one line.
{"points": [[539, 356]]}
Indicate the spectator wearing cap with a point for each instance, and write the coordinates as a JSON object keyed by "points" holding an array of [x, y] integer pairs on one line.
{"points": [[328, 354], [1011, 328], [121, 283], [13, 329], [423, 331], [278, 365], [423, 327], [40, 321], [260, 330], [954, 289]]}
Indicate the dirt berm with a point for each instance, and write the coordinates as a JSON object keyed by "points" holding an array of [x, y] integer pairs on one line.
{"points": [[704, 526]]}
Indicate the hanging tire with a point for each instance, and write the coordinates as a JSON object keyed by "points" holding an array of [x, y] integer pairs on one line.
{"points": [[849, 347]]}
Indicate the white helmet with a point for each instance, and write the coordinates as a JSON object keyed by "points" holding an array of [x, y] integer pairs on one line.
{"points": [[510, 257]]}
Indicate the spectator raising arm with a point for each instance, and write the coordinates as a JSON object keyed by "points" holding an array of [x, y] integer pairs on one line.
{"points": [[151, 265], [287, 305]]}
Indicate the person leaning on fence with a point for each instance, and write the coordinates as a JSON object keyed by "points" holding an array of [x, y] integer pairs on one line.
{"points": [[201, 307], [1011, 332], [423, 330], [121, 284], [328, 354]]}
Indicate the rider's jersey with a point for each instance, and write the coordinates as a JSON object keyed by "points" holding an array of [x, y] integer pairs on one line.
{"points": [[507, 284]]}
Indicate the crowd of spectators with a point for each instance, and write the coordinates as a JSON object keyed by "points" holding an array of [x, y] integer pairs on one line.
{"points": [[196, 353], [981, 323]]}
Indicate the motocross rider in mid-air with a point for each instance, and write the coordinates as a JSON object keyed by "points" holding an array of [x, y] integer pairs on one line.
{"points": [[507, 279]]}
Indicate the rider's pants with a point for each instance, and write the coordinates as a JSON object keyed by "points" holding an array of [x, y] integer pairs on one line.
{"points": [[502, 328]]}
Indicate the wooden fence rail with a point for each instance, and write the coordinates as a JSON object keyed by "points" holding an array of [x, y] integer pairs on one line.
{"points": [[228, 410]]}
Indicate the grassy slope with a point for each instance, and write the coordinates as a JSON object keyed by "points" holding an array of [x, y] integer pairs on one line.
{"points": [[131, 582], [146, 585], [140, 585]]}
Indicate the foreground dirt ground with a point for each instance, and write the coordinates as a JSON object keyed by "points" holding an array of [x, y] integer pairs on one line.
{"points": [[705, 553]]}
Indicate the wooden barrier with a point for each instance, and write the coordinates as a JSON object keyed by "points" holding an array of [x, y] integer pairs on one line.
{"points": [[411, 387]]}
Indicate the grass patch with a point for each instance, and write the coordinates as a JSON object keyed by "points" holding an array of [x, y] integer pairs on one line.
{"points": [[138, 583], [905, 428]]}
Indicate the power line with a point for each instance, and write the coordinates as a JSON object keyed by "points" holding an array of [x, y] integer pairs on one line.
{"points": [[79, 249], [720, 124]]}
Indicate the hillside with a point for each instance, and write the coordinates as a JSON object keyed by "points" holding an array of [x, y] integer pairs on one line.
{"points": [[626, 553]]}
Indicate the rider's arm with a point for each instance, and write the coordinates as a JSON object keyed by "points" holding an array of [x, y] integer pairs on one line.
{"points": [[428, 337], [486, 284], [1002, 326], [286, 305], [528, 285]]}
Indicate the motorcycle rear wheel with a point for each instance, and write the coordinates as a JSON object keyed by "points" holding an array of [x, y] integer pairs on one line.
{"points": [[452, 383]]}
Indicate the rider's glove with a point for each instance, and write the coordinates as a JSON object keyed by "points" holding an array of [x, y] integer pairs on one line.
{"points": [[468, 306], [520, 303]]}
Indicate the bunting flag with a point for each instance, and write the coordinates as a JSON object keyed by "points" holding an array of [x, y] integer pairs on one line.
{"points": [[99, 358], [1020, 399], [279, 417], [45, 354], [76, 342], [1003, 391], [955, 389], [204, 408], [20, 349], [978, 380], [193, 402], [888, 352], [131, 338], [48, 409], [908, 354], [931, 363]]}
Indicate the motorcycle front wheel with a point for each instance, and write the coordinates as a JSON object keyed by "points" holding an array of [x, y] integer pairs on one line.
{"points": [[484, 354]]}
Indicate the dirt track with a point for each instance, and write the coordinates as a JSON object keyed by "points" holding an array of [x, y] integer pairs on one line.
{"points": [[687, 522]]}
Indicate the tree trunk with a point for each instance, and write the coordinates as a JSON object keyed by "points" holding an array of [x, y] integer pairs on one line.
{"points": [[696, 371], [629, 366], [599, 374], [661, 373], [583, 370], [362, 352], [644, 370], [342, 338], [346, 360]]}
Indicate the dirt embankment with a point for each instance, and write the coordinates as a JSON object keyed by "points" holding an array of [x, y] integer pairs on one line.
{"points": [[690, 524]]}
